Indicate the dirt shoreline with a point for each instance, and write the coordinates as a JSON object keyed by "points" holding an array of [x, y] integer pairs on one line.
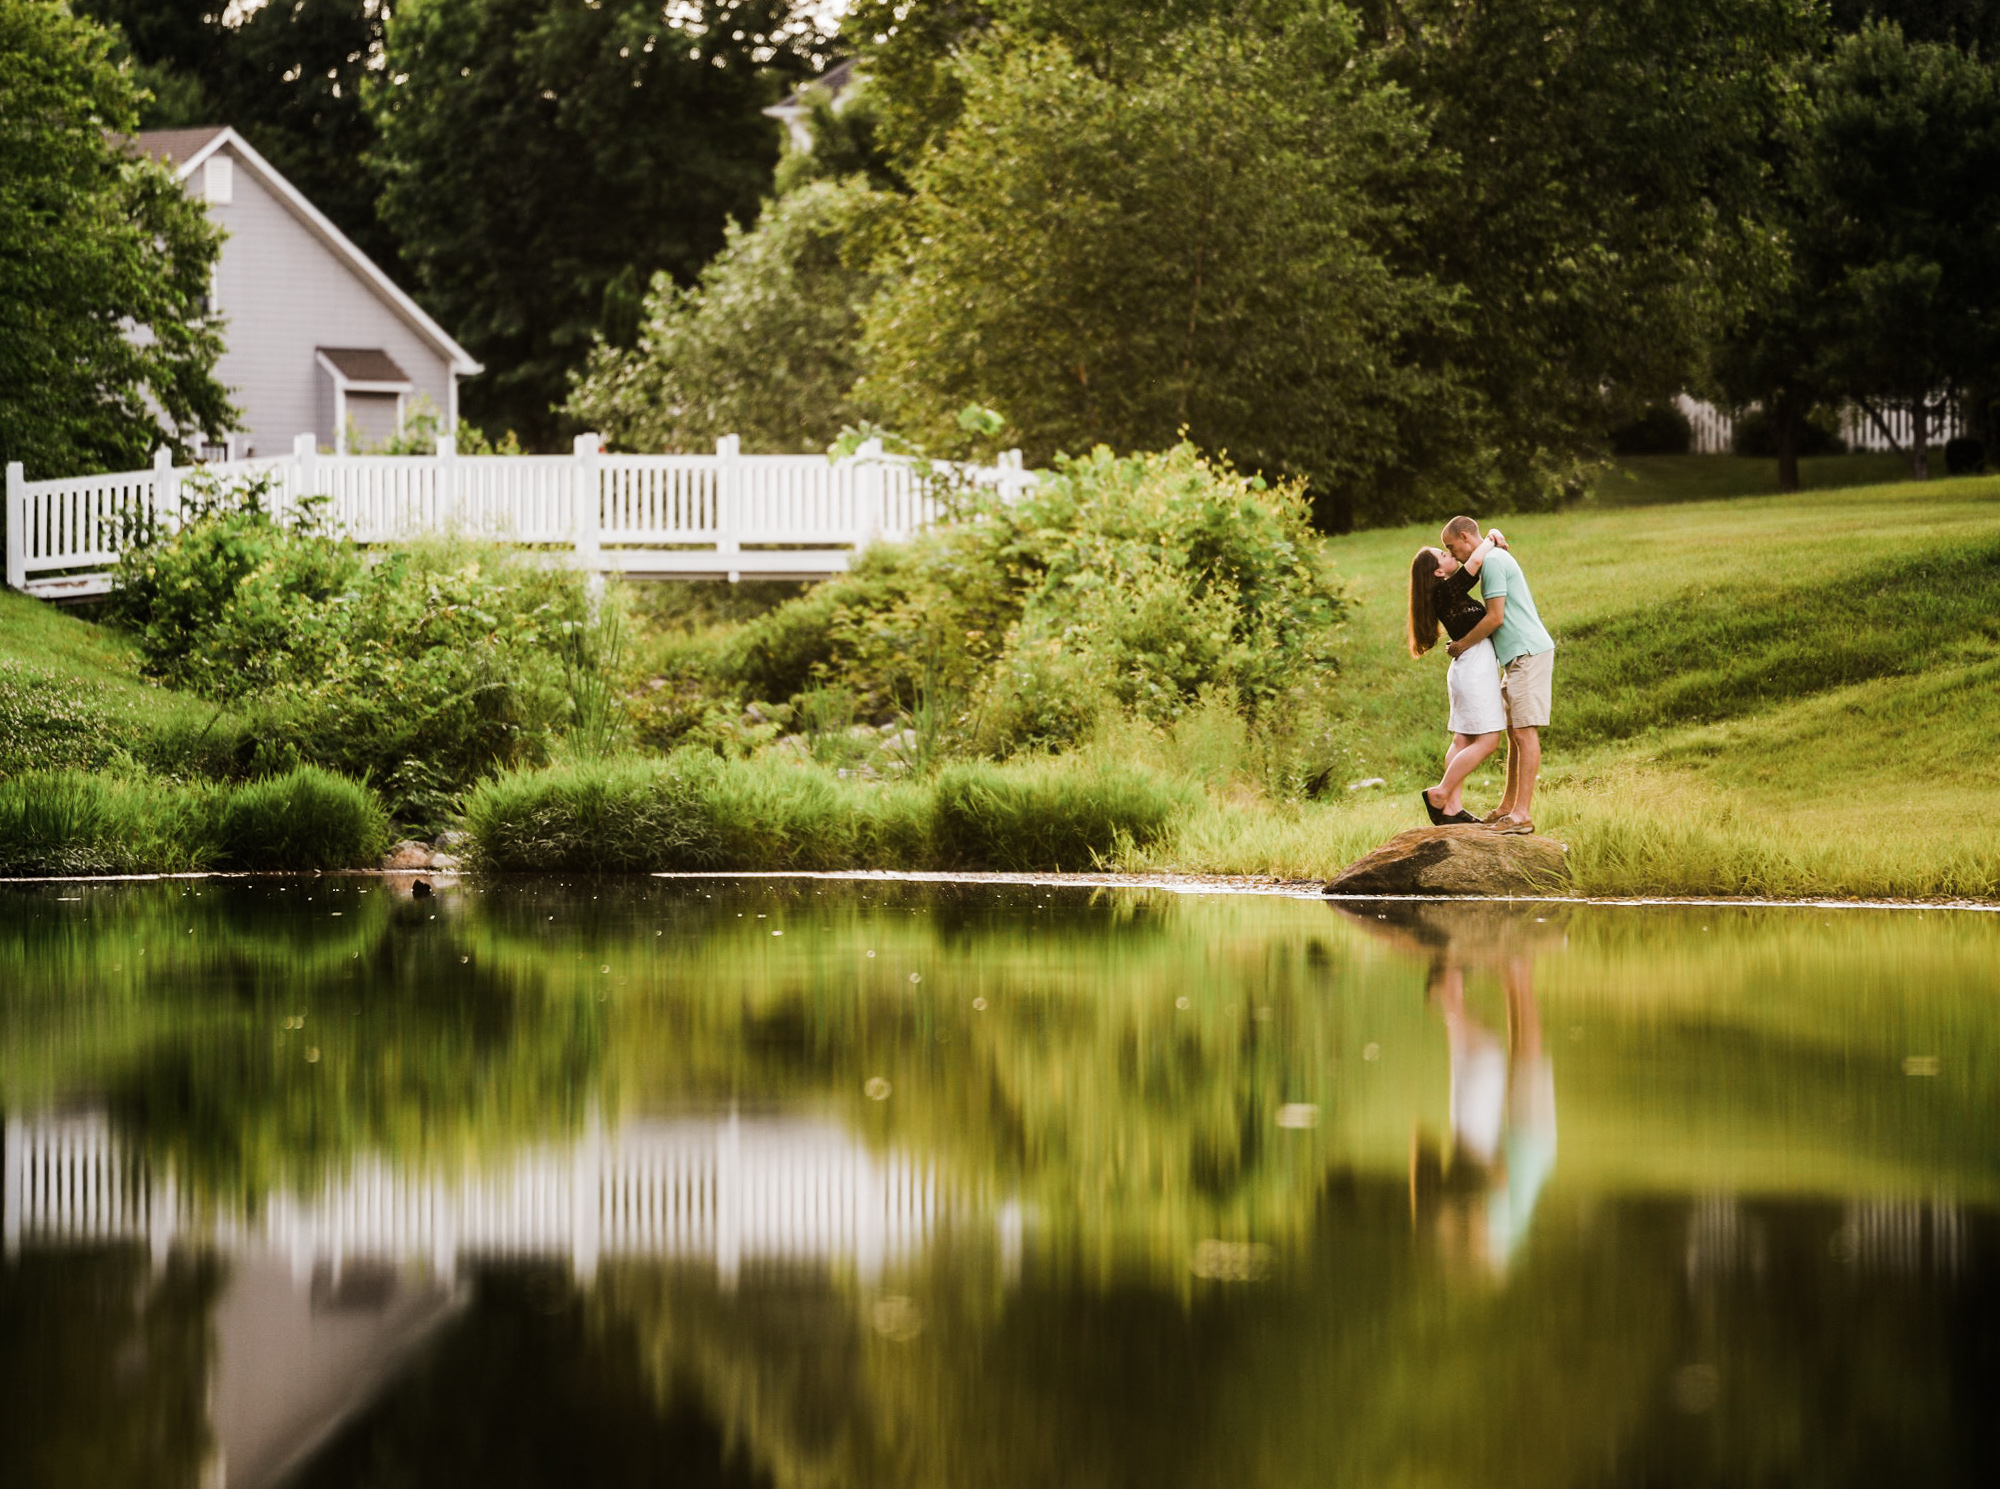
{"points": [[1195, 884]]}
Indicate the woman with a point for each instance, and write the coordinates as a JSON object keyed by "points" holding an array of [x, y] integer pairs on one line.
{"points": [[1441, 595]]}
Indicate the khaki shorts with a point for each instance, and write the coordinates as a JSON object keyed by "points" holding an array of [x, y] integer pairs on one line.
{"points": [[1528, 686]]}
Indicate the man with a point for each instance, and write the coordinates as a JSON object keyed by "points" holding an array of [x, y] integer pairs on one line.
{"points": [[1526, 653]]}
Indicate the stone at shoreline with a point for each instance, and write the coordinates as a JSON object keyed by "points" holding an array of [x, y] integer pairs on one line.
{"points": [[411, 854], [1457, 860]]}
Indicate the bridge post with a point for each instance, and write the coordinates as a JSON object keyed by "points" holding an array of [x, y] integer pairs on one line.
{"points": [[16, 519], [587, 520], [166, 491], [729, 497], [305, 469], [15, 1194], [873, 480]]}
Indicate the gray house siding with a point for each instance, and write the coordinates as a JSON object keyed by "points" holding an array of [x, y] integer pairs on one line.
{"points": [[283, 295]]}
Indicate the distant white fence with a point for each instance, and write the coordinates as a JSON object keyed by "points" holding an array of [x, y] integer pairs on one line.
{"points": [[725, 1191], [652, 516], [1715, 431]]}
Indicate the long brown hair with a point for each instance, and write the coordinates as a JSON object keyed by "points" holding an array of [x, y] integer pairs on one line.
{"points": [[1423, 601]]}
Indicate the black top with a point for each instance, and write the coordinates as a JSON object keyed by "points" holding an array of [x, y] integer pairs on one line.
{"points": [[1457, 611]]}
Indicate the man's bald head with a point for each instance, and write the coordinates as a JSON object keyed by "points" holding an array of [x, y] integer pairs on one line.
{"points": [[1460, 537]]}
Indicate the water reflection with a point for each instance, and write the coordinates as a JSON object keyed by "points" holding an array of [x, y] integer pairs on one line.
{"points": [[970, 1186]]}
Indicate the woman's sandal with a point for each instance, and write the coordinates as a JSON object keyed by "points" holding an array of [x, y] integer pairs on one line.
{"points": [[1437, 817], [1461, 819]]}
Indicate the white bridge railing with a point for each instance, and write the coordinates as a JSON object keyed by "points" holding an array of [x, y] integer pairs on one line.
{"points": [[725, 515], [725, 1191]]}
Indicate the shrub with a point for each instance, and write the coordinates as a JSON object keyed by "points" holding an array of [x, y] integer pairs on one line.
{"points": [[1964, 456], [1661, 430], [1752, 435], [1129, 582], [421, 667], [307, 818]]}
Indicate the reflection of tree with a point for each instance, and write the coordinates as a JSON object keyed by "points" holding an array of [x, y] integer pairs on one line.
{"points": [[525, 1393], [407, 1051], [104, 1370]]}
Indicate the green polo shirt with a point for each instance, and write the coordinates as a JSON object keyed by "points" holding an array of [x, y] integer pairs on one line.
{"points": [[1521, 633]]}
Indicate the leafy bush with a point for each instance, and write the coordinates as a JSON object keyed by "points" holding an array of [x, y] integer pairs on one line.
{"points": [[1128, 583], [1661, 430], [421, 667], [1753, 435]]}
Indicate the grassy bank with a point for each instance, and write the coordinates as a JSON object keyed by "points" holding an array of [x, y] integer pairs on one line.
{"points": [[1755, 695], [1760, 695]]}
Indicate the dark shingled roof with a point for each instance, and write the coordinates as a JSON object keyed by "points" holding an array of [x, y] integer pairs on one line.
{"points": [[177, 145], [364, 364]]}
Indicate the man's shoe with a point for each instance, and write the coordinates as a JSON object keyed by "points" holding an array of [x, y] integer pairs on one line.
{"points": [[1491, 817], [1511, 827]]}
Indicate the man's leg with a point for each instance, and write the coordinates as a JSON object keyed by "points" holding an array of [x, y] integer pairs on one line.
{"points": [[1524, 764]]}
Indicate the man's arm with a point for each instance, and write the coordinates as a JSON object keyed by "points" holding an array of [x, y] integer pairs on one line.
{"points": [[1496, 612]]}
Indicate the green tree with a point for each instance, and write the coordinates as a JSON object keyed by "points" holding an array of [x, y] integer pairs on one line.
{"points": [[1609, 161], [767, 345], [287, 77], [1206, 237], [104, 263], [532, 150], [1901, 177]]}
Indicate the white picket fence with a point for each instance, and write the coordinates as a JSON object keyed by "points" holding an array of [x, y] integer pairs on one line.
{"points": [[727, 1191], [1715, 430], [726, 515]]}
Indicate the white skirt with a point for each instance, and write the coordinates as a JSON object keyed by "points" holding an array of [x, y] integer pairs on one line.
{"points": [[1473, 684]]}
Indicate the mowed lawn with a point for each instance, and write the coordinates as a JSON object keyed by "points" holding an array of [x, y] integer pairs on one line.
{"points": [[1818, 672]]}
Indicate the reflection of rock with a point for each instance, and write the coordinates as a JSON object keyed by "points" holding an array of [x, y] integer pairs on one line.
{"points": [[1457, 860], [1473, 933]]}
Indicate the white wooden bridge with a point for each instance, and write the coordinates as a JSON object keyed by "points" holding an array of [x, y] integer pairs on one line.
{"points": [[729, 1191], [725, 515]]}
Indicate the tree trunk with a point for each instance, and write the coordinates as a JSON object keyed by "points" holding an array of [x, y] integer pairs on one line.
{"points": [[1920, 445], [1788, 427]]}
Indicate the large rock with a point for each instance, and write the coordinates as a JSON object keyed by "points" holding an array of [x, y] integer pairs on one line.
{"points": [[1457, 860]]}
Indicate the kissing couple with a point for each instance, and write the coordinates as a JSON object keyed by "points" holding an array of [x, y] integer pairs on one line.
{"points": [[1502, 673]]}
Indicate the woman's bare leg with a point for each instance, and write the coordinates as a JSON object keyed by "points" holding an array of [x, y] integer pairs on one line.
{"points": [[1467, 754]]}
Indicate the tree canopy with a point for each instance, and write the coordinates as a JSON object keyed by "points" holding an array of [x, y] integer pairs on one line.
{"points": [[104, 263], [532, 151]]}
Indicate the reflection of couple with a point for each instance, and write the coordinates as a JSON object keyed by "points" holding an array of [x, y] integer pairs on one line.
{"points": [[1500, 630], [1503, 1121]]}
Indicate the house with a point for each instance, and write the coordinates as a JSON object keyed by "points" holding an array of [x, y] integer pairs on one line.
{"points": [[318, 338], [794, 110]]}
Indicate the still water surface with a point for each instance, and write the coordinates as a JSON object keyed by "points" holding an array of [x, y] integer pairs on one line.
{"points": [[800, 1183]]}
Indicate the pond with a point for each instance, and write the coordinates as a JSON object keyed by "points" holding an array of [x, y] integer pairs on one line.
{"points": [[822, 1183]]}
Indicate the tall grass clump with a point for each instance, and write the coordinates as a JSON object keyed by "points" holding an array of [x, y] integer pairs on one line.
{"points": [[694, 811], [599, 816], [1048, 816], [73, 822], [307, 818]]}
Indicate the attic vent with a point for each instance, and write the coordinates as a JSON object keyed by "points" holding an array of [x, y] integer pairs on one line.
{"points": [[218, 179]]}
